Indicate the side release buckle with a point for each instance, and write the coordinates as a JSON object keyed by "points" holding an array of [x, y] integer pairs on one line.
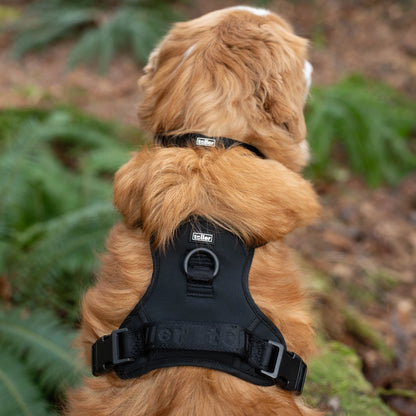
{"points": [[289, 370], [106, 353]]}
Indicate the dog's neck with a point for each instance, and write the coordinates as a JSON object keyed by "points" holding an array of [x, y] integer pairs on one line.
{"points": [[202, 141]]}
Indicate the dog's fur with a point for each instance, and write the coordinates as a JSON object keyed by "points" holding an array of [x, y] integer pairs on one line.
{"points": [[236, 73]]}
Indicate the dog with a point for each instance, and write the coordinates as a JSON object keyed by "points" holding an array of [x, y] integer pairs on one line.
{"points": [[238, 73]]}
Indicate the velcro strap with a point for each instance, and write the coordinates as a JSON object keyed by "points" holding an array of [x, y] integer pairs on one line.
{"points": [[197, 337], [269, 358]]}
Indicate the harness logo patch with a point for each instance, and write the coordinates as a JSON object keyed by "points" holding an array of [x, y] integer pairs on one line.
{"points": [[202, 237], [206, 142]]}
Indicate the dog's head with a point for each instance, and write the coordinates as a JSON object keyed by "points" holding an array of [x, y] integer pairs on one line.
{"points": [[239, 72]]}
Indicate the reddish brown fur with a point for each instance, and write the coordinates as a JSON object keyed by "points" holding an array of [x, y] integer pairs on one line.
{"points": [[243, 80]]}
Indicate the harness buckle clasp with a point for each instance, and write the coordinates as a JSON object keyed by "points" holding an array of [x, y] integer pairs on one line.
{"points": [[289, 369], [106, 353], [274, 374]]}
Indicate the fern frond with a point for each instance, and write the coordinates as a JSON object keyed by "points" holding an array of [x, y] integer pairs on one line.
{"points": [[54, 177], [29, 173], [44, 345], [84, 132], [369, 122], [108, 28], [131, 29], [104, 160], [63, 234], [19, 395], [13, 182], [31, 176], [60, 263], [47, 22]]}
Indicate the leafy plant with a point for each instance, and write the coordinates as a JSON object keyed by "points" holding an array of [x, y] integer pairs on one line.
{"points": [[19, 393], [56, 206], [36, 361], [106, 28], [55, 211], [365, 122]]}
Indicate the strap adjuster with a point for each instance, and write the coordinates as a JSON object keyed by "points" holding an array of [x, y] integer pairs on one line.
{"points": [[106, 353], [274, 374], [289, 369]]}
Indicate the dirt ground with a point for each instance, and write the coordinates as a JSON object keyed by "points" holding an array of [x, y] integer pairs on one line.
{"points": [[365, 242]]}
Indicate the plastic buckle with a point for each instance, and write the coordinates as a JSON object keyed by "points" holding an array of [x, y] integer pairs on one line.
{"points": [[274, 374], [106, 353], [300, 373]]}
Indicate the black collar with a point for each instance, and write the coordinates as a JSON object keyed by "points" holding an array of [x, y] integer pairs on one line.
{"points": [[200, 140]]}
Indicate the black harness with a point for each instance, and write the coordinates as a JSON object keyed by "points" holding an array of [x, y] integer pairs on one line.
{"points": [[198, 311]]}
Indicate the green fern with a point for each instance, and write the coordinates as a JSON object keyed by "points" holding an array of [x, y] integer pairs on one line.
{"points": [[55, 209], [368, 123], [132, 26], [37, 361], [19, 394], [61, 259], [44, 345]]}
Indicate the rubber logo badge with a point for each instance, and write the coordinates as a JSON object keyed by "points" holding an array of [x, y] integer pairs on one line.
{"points": [[202, 237], [206, 142]]}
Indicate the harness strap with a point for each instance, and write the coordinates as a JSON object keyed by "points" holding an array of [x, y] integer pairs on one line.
{"points": [[267, 357], [200, 140]]}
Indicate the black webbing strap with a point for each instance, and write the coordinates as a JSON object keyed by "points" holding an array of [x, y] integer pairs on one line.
{"points": [[268, 358], [200, 140]]}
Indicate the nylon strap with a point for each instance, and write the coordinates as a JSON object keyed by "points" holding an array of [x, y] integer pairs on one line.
{"points": [[271, 359]]}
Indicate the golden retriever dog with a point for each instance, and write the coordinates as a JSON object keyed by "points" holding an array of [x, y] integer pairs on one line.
{"points": [[239, 73]]}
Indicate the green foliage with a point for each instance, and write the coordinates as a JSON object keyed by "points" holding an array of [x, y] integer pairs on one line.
{"points": [[106, 28], [36, 360], [44, 344], [366, 121], [55, 212], [55, 209], [19, 393]]}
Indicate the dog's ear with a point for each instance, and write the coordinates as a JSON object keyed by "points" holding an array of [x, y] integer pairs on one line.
{"points": [[282, 91], [268, 60], [153, 62]]}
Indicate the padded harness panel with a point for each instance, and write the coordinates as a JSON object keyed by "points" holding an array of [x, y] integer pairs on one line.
{"points": [[198, 311]]}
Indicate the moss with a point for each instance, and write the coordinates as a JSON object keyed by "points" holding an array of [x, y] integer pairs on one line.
{"points": [[335, 383], [357, 326], [9, 14]]}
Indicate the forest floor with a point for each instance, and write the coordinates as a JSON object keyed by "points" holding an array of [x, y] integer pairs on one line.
{"points": [[363, 248]]}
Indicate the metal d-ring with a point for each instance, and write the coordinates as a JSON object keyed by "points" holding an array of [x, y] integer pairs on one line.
{"points": [[203, 250]]}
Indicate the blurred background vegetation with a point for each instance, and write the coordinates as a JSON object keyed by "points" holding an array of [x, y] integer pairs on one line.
{"points": [[68, 75]]}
